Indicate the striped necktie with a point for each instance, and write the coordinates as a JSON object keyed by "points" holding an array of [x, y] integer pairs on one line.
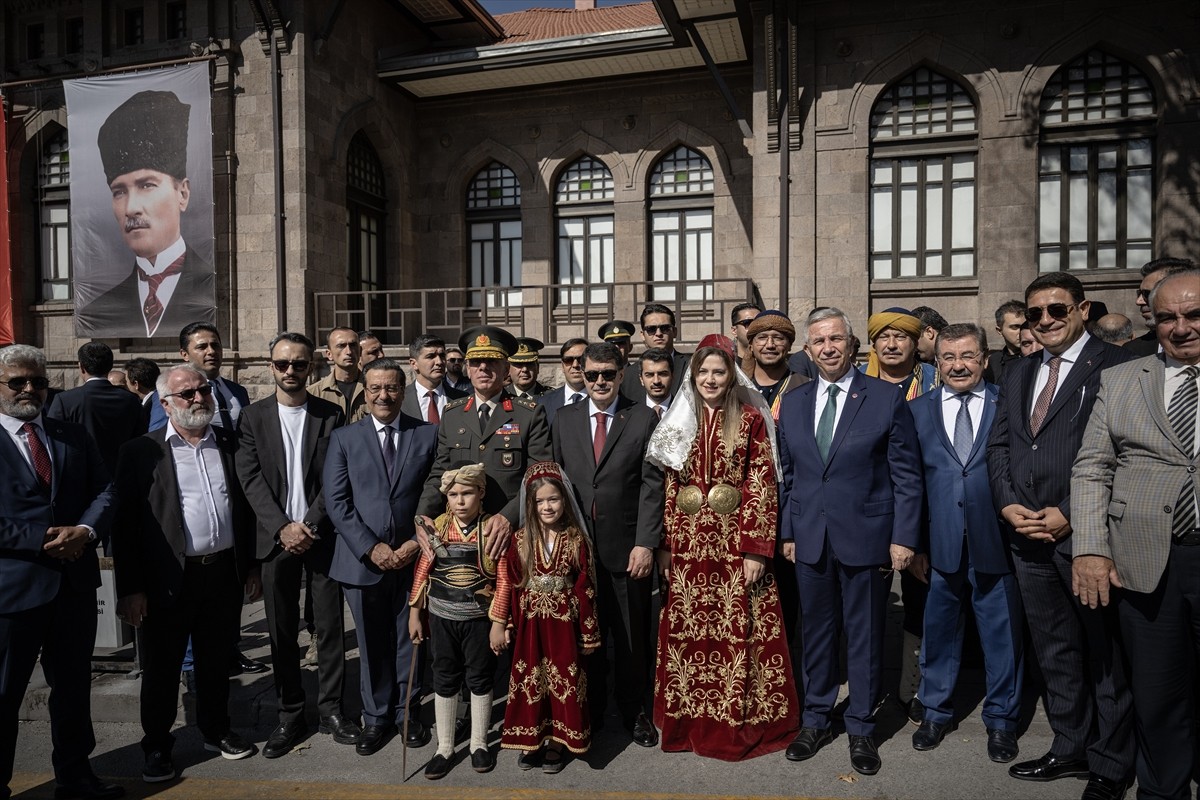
{"points": [[1182, 415]]}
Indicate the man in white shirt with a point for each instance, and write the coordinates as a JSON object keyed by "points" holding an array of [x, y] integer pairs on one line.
{"points": [[572, 390], [655, 371], [426, 399]]}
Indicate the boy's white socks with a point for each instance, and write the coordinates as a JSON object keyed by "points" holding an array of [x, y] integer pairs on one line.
{"points": [[445, 709], [481, 720]]}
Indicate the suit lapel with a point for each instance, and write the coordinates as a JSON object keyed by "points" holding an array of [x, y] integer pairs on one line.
{"points": [[1028, 383], [273, 441], [170, 485], [935, 412], [620, 418], [1153, 382], [58, 456], [403, 443], [853, 402], [807, 409], [985, 424], [1068, 393]]}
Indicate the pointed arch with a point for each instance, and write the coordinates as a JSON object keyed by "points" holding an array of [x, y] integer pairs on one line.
{"points": [[467, 166], [580, 144], [680, 133]]}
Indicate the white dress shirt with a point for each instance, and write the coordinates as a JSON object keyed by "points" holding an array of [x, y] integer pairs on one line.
{"points": [[165, 289], [607, 412], [203, 493], [1064, 369], [439, 396], [951, 404], [652, 404], [823, 385]]}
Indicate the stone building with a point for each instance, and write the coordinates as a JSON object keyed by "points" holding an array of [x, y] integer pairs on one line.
{"points": [[412, 165]]}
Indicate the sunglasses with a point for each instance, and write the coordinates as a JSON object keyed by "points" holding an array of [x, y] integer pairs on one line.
{"points": [[745, 323], [282, 365], [17, 384], [189, 394], [593, 375], [1033, 314], [1143, 295], [654, 330], [568, 360]]}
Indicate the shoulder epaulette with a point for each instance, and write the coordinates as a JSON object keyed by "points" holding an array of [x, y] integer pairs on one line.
{"points": [[462, 401]]}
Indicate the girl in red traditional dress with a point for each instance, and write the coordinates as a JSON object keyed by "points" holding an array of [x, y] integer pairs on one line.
{"points": [[724, 686], [551, 605]]}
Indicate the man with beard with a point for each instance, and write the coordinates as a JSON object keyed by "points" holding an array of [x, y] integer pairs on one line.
{"points": [[343, 385], [654, 368], [427, 398], [455, 362], [184, 550], [56, 503], [658, 331], [740, 318]]}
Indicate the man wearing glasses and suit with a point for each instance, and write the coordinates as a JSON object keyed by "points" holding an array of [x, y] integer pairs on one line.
{"points": [[658, 332]]}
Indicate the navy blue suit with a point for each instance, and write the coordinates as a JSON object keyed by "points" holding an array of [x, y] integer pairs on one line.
{"points": [[843, 517], [48, 605], [366, 509], [969, 560]]}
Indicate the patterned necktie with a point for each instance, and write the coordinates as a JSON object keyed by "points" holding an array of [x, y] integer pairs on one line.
{"points": [[601, 434], [1182, 415], [389, 451], [485, 411], [1042, 406], [153, 307], [964, 434], [434, 417], [825, 425], [225, 418], [38, 454]]}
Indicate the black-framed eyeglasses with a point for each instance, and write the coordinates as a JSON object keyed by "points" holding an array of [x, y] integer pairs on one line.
{"points": [[654, 330], [281, 365], [593, 375], [17, 384], [1033, 314], [569, 360], [190, 394]]}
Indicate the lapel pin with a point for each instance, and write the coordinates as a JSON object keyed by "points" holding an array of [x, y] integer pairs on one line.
{"points": [[854, 396]]}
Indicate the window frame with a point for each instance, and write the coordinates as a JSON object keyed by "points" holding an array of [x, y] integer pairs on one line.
{"points": [[661, 204]]}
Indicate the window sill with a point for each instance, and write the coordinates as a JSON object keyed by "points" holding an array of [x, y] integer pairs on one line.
{"points": [[54, 308], [939, 286]]}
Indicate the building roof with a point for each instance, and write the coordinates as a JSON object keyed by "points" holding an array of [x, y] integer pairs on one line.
{"points": [[535, 24]]}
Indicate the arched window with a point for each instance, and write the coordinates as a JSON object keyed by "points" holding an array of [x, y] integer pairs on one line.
{"points": [[1096, 166], [366, 223], [54, 218], [681, 226], [494, 228], [924, 137], [583, 206]]}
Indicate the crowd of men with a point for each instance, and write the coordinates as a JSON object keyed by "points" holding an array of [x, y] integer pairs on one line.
{"points": [[1047, 489]]}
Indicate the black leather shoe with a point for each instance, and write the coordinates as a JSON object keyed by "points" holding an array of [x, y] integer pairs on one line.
{"points": [[864, 756], [1101, 788], [915, 711], [482, 760], [807, 742], [929, 735], [1002, 745], [1049, 768], [418, 734], [373, 738], [90, 788], [644, 732], [231, 746], [158, 767], [283, 739], [246, 665], [528, 759], [437, 767], [344, 729]]}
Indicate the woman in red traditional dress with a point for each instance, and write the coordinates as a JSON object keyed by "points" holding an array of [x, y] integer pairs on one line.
{"points": [[724, 685], [552, 607]]}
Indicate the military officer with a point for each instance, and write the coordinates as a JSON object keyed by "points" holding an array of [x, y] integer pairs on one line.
{"points": [[618, 333], [524, 374]]}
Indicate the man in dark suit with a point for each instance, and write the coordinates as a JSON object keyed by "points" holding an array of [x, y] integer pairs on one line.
{"points": [[284, 439], [143, 147], [56, 503], [658, 331], [374, 472], [110, 414], [849, 515], [964, 546], [140, 377], [1153, 273], [572, 390], [601, 445], [1043, 407], [1010, 317], [427, 397], [183, 549]]}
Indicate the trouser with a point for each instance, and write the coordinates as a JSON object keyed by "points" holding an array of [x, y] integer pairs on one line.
{"points": [[462, 654], [385, 651], [623, 607]]}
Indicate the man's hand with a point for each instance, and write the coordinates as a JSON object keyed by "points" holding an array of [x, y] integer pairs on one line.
{"points": [[919, 567], [1054, 523], [295, 537], [407, 553], [497, 531], [663, 559], [1090, 578], [753, 568], [132, 608], [384, 557], [641, 560], [254, 584], [1026, 521], [901, 556], [788, 550], [424, 526], [66, 542]]}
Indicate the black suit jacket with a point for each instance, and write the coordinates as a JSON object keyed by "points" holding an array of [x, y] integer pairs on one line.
{"points": [[999, 361], [1144, 345], [112, 415], [148, 537], [263, 470], [631, 384], [411, 404], [118, 312], [624, 490], [1035, 471]]}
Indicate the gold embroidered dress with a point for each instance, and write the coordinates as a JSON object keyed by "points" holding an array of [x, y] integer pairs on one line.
{"points": [[724, 685]]}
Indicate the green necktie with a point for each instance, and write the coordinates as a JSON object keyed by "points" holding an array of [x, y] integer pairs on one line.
{"points": [[825, 426]]}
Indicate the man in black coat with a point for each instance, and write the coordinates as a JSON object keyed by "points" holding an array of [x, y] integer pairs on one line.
{"points": [[111, 415]]}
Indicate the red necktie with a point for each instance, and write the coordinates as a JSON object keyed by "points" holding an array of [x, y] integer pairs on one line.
{"points": [[153, 308], [37, 451], [1042, 407], [600, 436], [434, 417]]}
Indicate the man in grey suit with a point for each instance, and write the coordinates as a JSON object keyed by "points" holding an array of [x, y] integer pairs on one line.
{"points": [[1137, 528], [601, 444]]}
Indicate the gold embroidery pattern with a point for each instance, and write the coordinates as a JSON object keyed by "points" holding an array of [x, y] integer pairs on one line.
{"points": [[536, 681], [573, 740]]}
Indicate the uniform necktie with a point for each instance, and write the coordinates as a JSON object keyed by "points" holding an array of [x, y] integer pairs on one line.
{"points": [[601, 434], [38, 454], [1182, 415], [825, 425], [1042, 406], [485, 411], [434, 417], [226, 420], [575, 398], [389, 451], [964, 434], [153, 307]]}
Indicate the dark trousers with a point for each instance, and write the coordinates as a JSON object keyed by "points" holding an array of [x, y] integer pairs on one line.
{"points": [[385, 650], [1162, 636], [64, 632], [208, 606], [462, 655], [1078, 650], [282, 576], [623, 607], [860, 595]]}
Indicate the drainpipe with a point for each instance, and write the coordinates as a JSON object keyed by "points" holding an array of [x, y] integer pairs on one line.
{"points": [[280, 217]]}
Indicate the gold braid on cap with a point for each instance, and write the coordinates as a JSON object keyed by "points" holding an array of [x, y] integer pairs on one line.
{"points": [[469, 475], [543, 469]]}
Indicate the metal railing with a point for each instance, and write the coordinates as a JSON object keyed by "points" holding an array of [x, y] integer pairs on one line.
{"points": [[552, 313]]}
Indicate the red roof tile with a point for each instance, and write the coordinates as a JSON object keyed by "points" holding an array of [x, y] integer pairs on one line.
{"points": [[534, 24]]}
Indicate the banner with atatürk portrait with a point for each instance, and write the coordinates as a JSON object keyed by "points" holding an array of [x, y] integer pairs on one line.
{"points": [[141, 202]]}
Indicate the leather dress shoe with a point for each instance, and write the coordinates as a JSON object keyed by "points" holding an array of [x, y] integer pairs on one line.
{"points": [[915, 710], [418, 734], [1101, 788], [864, 756], [1049, 768], [373, 738], [528, 759], [158, 767], [286, 736], [438, 767], [929, 735], [644, 732], [90, 788], [246, 665], [344, 729], [807, 742], [1002, 745], [231, 746], [482, 760]]}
